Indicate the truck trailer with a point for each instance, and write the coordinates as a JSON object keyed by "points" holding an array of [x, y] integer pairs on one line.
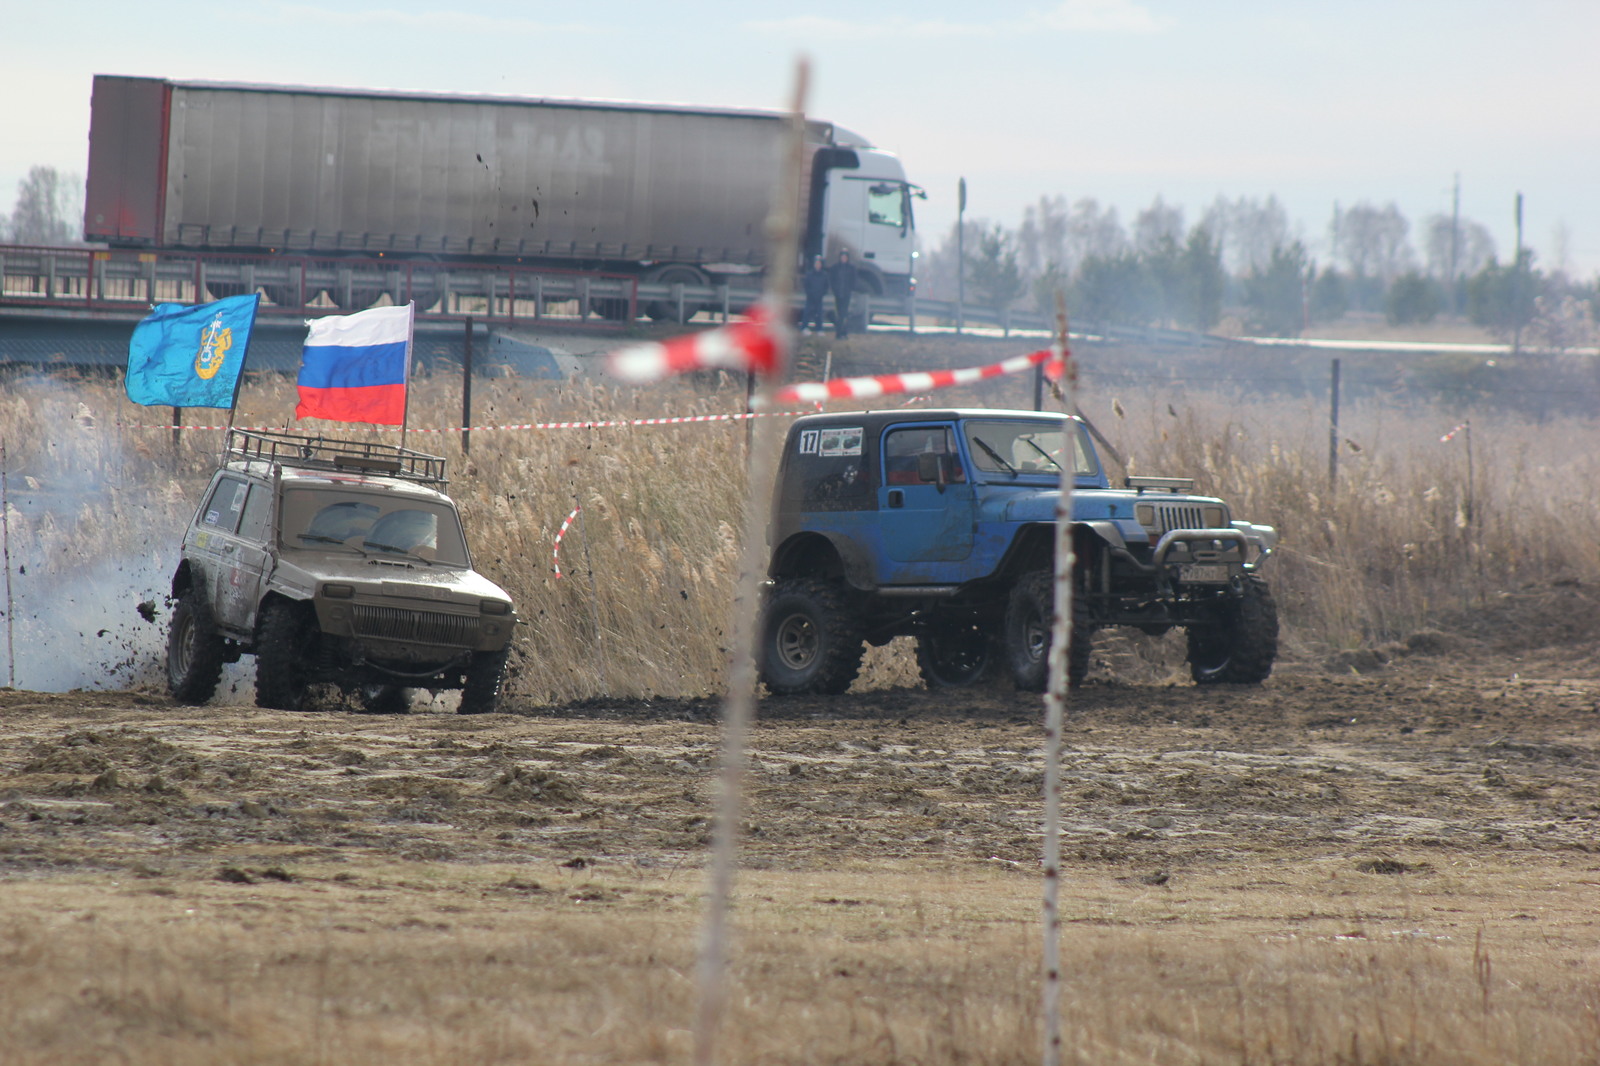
{"points": [[661, 192]]}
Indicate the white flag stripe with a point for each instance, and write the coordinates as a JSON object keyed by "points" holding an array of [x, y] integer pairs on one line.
{"points": [[380, 325]]}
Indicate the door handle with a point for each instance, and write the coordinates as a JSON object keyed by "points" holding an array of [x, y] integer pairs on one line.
{"points": [[897, 498]]}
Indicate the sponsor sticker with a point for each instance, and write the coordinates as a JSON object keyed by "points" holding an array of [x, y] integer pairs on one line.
{"points": [[838, 442]]}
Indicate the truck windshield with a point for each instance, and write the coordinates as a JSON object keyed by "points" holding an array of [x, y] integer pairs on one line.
{"points": [[1018, 449], [383, 526]]}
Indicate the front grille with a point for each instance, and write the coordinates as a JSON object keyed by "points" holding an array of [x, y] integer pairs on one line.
{"points": [[424, 627], [1178, 516]]}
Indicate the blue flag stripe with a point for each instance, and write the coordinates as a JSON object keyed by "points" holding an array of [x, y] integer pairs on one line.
{"points": [[337, 366]]}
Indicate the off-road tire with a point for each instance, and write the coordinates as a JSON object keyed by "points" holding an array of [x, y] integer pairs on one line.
{"points": [[1240, 644], [485, 675], [810, 639], [1029, 612], [384, 699], [195, 650], [956, 656], [285, 642]]}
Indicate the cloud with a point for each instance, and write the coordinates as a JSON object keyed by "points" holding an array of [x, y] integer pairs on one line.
{"points": [[1067, 16], [1106, 16], [453, 21]]}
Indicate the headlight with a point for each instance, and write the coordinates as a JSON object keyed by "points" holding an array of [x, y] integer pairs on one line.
{"points": [[1215, 517], [1146, 515], [494, 607], [338, 592]]}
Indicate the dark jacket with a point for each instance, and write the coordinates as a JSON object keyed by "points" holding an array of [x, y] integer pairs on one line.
{"points": [[816, 282], [843, 274]]}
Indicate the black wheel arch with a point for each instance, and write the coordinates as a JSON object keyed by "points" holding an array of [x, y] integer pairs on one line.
{"points": [[823, 555], [184, 578], [1034, 546]]}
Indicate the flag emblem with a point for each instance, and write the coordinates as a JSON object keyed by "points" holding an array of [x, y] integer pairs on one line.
{"points": [[215, 340]]}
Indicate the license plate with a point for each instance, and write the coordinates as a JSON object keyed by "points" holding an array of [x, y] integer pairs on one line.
{"points": [[1203, 574]]}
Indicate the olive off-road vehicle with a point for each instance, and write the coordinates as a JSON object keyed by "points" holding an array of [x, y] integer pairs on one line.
{"points": [[940, 525], [334, 562]]}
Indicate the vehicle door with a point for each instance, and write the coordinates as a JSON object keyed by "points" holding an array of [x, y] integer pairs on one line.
{"points": [[926, 505], [229, 536]]}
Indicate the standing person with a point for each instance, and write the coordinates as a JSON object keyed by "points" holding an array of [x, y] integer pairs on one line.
{"points": [[816, 287], [844, 284]]}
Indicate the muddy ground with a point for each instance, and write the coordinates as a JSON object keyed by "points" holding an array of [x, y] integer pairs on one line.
{"points": [[1451, 747]]}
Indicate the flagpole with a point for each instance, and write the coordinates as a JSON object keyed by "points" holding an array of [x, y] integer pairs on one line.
{"points": [[411, 329], [238, 382], [739, 707]]}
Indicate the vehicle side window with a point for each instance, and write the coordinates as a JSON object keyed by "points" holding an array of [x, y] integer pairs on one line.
{"points": [[257, 514], [225, 506], [886, 205], [904, 448]]}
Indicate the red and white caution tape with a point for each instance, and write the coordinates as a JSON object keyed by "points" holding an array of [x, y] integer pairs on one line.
{"points": [[749, 345], [555, 556], [602, 424], [1448, 437], [868, 388]]}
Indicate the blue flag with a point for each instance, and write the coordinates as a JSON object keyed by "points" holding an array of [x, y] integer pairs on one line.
{"points": [[183, 356]]}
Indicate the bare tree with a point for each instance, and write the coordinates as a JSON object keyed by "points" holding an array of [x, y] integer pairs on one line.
{"points": [[1248, 231], [1092, 231], [1158, 227], [1371, 241], [1467, 242], [49, 208], [1042, 237]]}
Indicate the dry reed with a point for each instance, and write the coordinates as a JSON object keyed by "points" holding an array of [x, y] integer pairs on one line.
{"points": [[1400, 542]]}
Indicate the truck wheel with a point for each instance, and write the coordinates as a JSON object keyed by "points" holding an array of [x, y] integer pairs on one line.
{"points": [[283, 652], [810, 640], [194, 650], [955, 656], [1240, 644], [1027, 634], [384, 699], [667, 310], [484, 676]]}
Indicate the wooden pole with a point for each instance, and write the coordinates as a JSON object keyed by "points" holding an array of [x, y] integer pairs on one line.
{"points": [[1055, 715], [739, 708], [466, 390], [5, 552], [1333, 427]]}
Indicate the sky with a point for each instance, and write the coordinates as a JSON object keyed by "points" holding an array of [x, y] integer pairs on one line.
{"points": [[1319, 102]]}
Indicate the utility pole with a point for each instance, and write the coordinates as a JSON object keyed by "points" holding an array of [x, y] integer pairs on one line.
{"points": [[961, 255]]}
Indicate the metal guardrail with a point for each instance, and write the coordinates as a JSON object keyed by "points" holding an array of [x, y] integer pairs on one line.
{"points": [[119, 282], [98, 280]]}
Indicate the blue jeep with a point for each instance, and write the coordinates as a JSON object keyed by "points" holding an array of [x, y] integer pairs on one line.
{"points": [[941, 525]]}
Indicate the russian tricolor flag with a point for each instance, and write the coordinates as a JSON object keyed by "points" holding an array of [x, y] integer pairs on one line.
{"points": [[354, 368]]}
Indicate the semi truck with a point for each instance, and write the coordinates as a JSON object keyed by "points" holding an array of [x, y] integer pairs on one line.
{"points": [[658, 192]]}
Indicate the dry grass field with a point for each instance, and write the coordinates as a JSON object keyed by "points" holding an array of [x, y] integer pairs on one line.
{"points": [[1385, 855]]}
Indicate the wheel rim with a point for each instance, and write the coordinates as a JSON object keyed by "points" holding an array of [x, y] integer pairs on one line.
{"points": [[958, 660], [182, 649], [1036, 635], [797, 642]]}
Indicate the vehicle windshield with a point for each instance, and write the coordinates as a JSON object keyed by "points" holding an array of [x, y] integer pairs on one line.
{"points": [[383, 526], [1014, 449]]}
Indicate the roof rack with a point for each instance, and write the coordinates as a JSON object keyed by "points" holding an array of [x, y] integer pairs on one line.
{"points": [[302, 451]]}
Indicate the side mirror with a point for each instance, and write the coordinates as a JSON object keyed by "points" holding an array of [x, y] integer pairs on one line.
{"points": [[929, 468]]}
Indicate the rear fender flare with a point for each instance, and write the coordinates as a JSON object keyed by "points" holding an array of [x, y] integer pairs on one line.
{"points": [[823, 555]]}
